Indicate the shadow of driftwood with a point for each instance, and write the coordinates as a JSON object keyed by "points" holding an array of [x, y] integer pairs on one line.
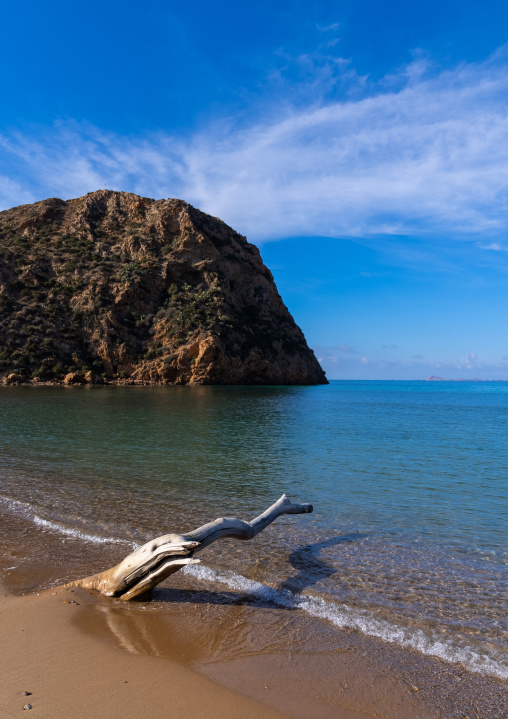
{"points": [[311, 569], [199, 596], [305, 560]]}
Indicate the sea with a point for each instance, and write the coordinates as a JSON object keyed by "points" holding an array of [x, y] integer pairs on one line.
{"points": [[407, 545]]}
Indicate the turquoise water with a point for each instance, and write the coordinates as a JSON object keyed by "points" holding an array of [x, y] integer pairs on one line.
{"points": [[408, 541]]}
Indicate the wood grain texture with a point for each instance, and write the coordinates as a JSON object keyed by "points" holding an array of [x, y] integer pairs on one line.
{"points": [[147, 566]]}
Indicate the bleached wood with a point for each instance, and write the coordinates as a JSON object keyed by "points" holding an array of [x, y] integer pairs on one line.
{"points": [[156, 560]]}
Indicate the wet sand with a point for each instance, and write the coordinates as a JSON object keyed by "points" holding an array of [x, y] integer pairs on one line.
{"points": [[197, 651], [70, 673], [80, 654], [55, 646]]}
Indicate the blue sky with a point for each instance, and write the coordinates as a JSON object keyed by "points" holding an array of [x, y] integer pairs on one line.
{"points": [[362, 145]]}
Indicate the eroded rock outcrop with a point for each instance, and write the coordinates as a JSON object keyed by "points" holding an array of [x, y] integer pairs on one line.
{"points": [[120, 286]]}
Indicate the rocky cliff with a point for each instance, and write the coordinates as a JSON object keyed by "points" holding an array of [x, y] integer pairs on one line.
{"points": [[112, 285]]}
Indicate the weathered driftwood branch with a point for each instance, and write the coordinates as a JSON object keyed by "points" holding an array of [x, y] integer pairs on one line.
{"points": [[149, 565]]}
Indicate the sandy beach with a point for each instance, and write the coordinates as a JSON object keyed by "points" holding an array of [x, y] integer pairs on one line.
{"points": [[50, 665], [71, 674], [79, 653]]}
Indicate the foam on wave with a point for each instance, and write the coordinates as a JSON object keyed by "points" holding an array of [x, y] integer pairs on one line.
{"points": [[362, 620], [28, 512], [70, 532], [339, 615]]}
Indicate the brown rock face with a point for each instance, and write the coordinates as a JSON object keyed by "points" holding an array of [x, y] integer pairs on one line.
{"points": [[74, 378], [13, 378], [150, 291]]}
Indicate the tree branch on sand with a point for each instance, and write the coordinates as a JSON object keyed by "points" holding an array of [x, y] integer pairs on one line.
{"points": [[147, 566]]}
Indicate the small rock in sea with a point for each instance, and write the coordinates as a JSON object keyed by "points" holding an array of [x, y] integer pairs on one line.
{"points": [[27, 706]]}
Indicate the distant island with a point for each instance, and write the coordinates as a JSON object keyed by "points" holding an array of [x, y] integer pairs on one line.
{"points": [[434, 378], [116, 287]]}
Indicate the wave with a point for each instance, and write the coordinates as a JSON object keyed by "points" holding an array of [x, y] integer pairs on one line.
{"points": [[71, 532], [28, 512], [340, 615]]}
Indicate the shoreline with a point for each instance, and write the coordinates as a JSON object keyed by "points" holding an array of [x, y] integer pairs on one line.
{"points": [[213, 639], [68, 672], [53, 649], [319, 617], [141, 383], [72, 648], [128, 382]]}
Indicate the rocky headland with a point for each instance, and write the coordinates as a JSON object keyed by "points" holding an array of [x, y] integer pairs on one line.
{"points": [[116, 287]]}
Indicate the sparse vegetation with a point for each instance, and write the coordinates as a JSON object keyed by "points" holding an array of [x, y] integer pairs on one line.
{"points": [[87, 285]]}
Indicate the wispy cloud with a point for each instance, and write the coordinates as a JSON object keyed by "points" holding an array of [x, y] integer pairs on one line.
{"points": [[496, 246], [328, 28], [345, 349], [12, 193], [418, 152]]}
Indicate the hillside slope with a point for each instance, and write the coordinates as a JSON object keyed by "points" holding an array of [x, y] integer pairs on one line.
{"points": [[121, 286]]}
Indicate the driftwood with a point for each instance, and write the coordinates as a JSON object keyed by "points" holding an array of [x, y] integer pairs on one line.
{"points": [[147, 566]]}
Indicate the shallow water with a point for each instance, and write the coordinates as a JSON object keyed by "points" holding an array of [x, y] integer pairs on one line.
{"points": [[408, 541]]}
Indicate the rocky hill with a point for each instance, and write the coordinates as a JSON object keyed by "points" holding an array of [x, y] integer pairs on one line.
{"points": [[112, 286]]}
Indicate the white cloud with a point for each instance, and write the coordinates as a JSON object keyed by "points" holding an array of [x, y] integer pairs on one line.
{"points": [[496, 246], [12, 193], [415, 367], [471, 361], [346, 349], [327, 28], [416, 153]]}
